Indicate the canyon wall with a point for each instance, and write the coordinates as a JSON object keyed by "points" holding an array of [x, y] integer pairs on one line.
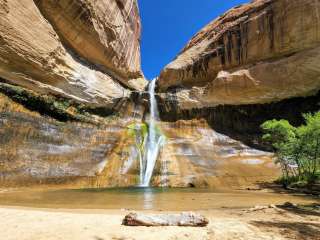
{"points": [[47, 141], [71, 87], [256, 62], [68, 75], [261, 52], [88, 51]]}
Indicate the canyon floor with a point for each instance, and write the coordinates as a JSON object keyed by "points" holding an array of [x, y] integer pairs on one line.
{"points": [[224, 224]]}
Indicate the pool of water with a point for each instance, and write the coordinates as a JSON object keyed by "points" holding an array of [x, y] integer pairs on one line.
{"points": [[167, 199]]}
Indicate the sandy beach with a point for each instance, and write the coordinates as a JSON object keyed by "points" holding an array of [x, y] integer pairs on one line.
{"points": [[64, 224]]}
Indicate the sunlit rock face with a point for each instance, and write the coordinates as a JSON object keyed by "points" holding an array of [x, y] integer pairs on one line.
{"points": [[106, 33], [67, 71], [260, 52], [197, 156], [88, 52], [76, 64], [38, 150]]}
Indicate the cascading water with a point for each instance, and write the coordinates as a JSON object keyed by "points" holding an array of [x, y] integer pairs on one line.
{"points": [[155, 138]]}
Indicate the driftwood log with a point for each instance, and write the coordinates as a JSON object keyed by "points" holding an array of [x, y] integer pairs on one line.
{"points": [[186, 219]]}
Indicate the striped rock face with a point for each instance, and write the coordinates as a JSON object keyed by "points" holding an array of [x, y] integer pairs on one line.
{"points": [[105, 33], [88, 51], [39, 151], [261, 52]]}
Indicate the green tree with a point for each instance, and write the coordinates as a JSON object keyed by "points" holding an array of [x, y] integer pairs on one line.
{"points": [[297, 148]]}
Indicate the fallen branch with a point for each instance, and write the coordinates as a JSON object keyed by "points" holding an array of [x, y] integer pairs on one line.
{"points": [[261, 208], [189, 219]]}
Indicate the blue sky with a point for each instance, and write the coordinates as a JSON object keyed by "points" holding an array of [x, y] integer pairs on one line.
{"points": [[167, 25]]}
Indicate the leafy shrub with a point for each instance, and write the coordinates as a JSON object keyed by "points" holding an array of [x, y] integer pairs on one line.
{"points": [[297, 148]]}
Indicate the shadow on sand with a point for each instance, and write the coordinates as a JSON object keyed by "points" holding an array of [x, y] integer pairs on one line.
{"points": [[311, 191], [291, 230]]}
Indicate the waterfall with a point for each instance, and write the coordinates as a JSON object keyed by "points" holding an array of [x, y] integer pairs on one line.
{"points": [[155, 138]]}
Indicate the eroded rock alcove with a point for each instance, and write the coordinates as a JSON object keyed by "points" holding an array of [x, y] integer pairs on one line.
{"points": [[71, 84]]}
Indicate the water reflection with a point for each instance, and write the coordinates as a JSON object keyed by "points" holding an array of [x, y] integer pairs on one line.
{"points": [[148, 199]]}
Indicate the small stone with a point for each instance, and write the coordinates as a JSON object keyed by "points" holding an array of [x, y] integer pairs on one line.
{"points": [[289, 205]]}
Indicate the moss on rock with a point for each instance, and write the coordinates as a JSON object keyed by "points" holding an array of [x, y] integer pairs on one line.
{"points": [[61, 109]]}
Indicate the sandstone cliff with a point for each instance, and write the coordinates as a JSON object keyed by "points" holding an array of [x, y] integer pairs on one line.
{"points": [[88, 51], [105, 33], [258, 61], [68, 68], [67, 71], [61, 150], [262, 52]]}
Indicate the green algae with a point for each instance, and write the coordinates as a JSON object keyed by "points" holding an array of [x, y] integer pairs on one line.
{"points": [[59, 108]]}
